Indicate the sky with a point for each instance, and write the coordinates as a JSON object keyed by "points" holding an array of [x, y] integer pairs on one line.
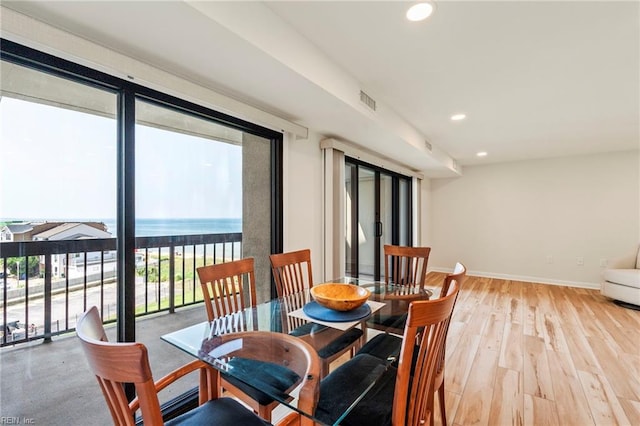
{"points": [[61, 164]]}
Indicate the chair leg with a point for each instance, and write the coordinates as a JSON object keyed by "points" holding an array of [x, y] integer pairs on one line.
{"points": [[361, 341], [264, 412], [354, 350], [430, 410], [324, 368], [443, 411]]}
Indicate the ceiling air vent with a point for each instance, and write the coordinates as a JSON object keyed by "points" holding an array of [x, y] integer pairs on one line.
{"points": [[367, 100], [427, 145]]}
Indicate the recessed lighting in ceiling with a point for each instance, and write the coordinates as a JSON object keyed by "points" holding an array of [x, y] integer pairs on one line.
{"points": [[419, 12], [458, 117], [482, 154]]}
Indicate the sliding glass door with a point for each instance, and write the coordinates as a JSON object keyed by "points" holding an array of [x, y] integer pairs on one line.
{"points": [[378, 212]]}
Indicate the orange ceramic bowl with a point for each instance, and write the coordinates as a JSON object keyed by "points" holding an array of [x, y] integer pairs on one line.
{"points": [[340, 297]]}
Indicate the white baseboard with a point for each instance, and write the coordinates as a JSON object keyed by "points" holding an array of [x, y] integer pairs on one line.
{"points": [[539, 280]]}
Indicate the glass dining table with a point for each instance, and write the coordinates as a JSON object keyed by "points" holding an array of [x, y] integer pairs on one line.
{"points": [[388, 305]]}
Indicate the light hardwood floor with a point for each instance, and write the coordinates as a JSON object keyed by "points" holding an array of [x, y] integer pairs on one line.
{"points": [[533, 354]]}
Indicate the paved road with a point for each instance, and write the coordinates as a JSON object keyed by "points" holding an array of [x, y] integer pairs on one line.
{"points": [[78, 303]]}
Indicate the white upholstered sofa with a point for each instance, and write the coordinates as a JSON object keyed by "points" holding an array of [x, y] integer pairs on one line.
{"points": [[622, 279]]}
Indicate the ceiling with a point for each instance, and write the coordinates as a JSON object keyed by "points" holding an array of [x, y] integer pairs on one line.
{"points": [[535, 79]]}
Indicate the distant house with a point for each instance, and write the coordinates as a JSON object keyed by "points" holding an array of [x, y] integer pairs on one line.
{"points": [[71, 231], [78, 263], [16, 232], [26, 231]]}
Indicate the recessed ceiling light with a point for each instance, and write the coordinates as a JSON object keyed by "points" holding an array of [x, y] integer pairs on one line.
{"points": [[482, 154], [458, 117], [419, 12]]}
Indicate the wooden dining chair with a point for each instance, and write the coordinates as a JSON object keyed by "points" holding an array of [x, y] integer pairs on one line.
{"points": [[292, 271], [405, 265], [229, 288], [292, 274], [115, 364], [387, 346], [400, 395], [405, 270]]}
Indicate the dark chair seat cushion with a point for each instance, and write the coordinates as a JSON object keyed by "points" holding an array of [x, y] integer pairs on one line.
{"points": [[308, 328], [382, 321], [344, 341], [219, 412], [343, 386], [272, 378], [386, 347], [383, 346]]}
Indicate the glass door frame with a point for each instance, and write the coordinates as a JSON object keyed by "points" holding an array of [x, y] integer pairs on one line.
{"points": [[352, 267]]}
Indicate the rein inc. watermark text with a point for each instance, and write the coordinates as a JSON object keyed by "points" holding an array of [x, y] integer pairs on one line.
{"points": [[7, 420]]}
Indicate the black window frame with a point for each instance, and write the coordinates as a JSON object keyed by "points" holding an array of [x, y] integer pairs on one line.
{"points": [[127, 92]]}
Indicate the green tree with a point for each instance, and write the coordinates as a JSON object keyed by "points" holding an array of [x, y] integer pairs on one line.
{"points": [[32, 269]]}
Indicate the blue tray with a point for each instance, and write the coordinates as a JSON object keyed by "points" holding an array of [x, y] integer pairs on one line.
{"points": [[319, 312]]}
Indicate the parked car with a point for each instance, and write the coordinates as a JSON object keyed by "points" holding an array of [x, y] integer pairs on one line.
{"points": [[14, 331]]}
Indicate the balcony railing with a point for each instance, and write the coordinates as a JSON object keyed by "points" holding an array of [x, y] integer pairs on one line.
{"points": [[76, 274]]}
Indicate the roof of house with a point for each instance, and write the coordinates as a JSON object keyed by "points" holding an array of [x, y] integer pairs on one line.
{"points": [[88, 232], [19, 228]]}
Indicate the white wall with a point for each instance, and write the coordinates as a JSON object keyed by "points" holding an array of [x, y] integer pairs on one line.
{"points": [[424, 215], [505, 220]]}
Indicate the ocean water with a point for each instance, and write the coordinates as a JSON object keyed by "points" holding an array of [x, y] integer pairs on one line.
{"points": [[165, 227]]}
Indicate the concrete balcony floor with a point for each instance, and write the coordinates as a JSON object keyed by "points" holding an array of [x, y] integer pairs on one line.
{"points": [[50, 383]]}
